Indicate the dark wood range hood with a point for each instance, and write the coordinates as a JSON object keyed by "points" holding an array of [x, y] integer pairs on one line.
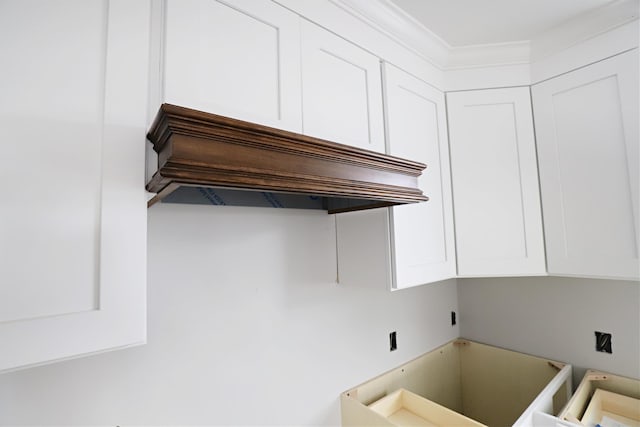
{"points": [[221, 160]]}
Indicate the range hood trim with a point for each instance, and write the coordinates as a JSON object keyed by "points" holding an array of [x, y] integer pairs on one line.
{"points": [[203, 149]]}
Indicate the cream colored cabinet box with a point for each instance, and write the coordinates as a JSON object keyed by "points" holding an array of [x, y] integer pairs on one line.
{"points": [[489, 385], [403, 408], [601, 394]]}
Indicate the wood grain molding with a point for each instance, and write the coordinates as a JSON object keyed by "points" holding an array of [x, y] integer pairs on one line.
{"points": [[206, 150]]}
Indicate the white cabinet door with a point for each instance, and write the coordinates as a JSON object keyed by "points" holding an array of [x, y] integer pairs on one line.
{"points": [[237, 58], [341, 90], [587, 129], [423, 248], [496, 196], [73, 212], [413, 244]]}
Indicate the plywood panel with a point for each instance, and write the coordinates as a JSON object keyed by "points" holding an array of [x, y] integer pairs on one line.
{"points": [[434, 375], [592, 381], [490, 385], [498, 385], [404, 408]]}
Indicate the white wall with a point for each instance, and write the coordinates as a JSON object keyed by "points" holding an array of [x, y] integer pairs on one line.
{"points": [[246, 326], [556, 318]]}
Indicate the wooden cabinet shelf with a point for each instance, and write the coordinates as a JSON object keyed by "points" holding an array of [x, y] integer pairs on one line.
{"points": [[403, 408]]}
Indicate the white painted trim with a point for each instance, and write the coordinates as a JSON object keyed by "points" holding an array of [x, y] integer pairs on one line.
{"points": [[489, 55], [156, 80], [348, 24], [385, 30], [389, 19], [594, 49], [490, 77], [583, 27]]}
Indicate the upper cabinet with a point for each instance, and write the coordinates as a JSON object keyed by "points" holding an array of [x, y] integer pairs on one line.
{"points": [[413, 244], [256, 61], [423, 239], [587, 129], [341, 90], [237, 58], [73, 215], [495, 183]]}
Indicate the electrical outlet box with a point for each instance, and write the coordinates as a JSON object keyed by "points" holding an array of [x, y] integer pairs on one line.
{"points": [[603, 342]]}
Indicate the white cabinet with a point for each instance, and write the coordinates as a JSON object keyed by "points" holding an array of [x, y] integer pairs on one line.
{"points": [[257, 61], [237, 58], [587, 130], [73, 212], [423, 239], [413, 244], [495, 183], [341, 90]]}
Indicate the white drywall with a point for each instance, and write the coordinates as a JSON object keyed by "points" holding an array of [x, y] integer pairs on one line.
{"points": [[556, 318], [246, 326]]}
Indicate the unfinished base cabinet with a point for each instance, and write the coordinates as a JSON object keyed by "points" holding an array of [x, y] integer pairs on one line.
{"points": [[403, 408], [481, 384], [413, 244], [588, 148], [601, 395]]}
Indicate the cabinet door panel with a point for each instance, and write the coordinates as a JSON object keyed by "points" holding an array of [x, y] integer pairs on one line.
{"points": [[495, 183], [73, 217], [239, 58], [342, 92], [408, 245], [422, 233], [587, 127]]}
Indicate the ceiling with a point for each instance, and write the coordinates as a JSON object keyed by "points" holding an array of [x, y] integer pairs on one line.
{"points": [[472, 22]]}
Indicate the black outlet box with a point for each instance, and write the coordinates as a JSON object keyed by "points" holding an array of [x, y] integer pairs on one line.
{"points": [[603, 342]]}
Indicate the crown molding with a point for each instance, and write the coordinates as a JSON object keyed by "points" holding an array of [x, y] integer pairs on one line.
{"points": [[484, 55], [389, 19], [386, 17], [583, 28]]}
